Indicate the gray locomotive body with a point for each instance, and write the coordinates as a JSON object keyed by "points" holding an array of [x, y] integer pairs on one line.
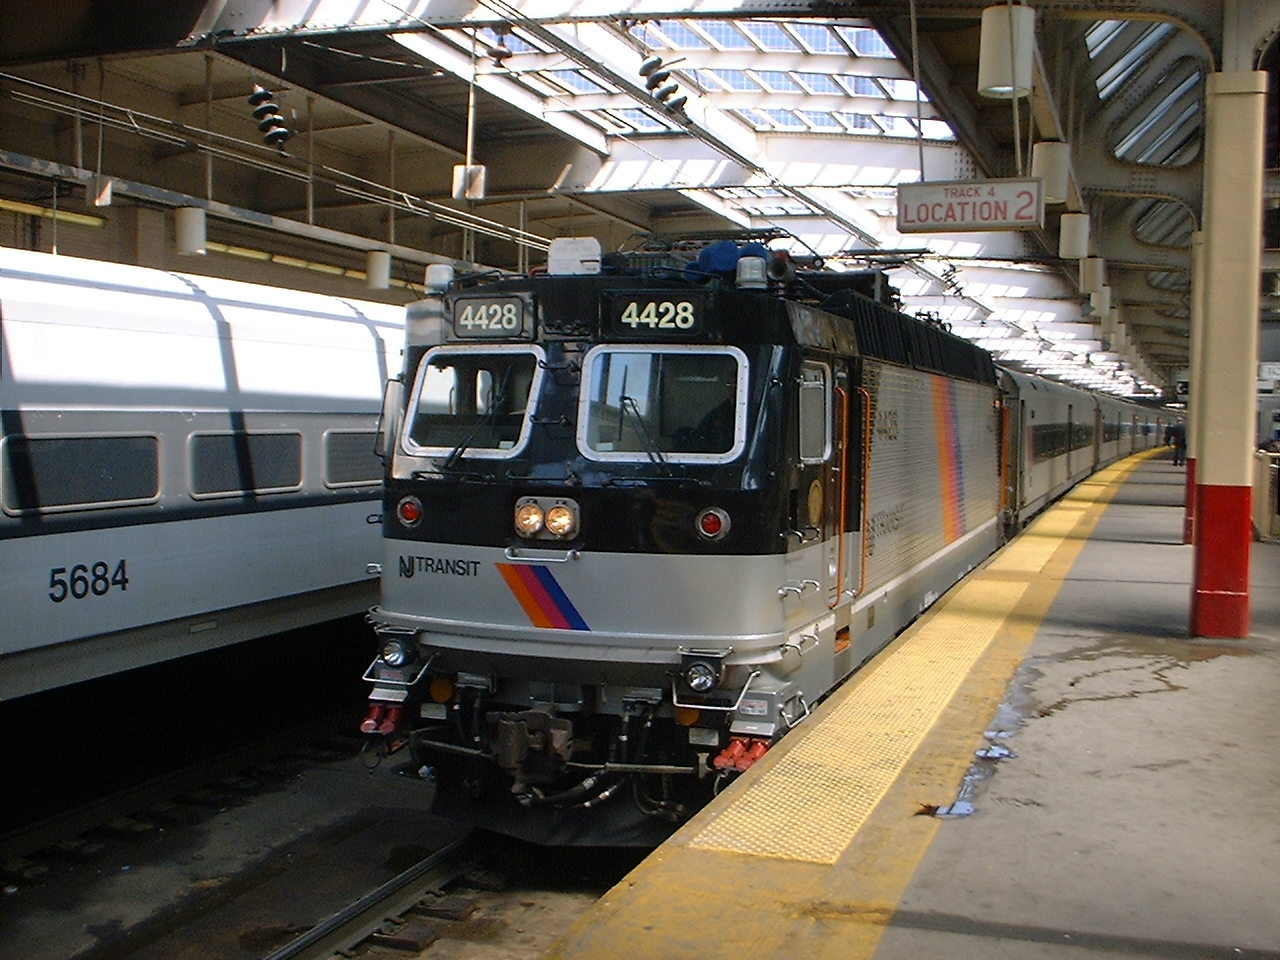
{"points": [[185, 463]]}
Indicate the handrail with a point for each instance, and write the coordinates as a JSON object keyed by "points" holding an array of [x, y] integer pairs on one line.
{"points": [[844, 497], [866, 482]]}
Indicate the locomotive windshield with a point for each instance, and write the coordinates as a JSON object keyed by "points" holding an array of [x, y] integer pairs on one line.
{"points": [[473, 400], [685, 404]]}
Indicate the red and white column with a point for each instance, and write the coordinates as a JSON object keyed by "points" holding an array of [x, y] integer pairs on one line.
{"points": [[1232, 222]]}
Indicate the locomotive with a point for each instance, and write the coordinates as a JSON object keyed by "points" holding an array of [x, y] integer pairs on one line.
{"points": [[642, 512]]}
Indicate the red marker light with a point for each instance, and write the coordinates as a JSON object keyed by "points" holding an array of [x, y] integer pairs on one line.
{"points": [[713, 523], [409, 510]]}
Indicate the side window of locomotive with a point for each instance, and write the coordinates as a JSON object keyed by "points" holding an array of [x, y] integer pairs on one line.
{"points": [[50, 474], [683, 404], [476, 399], [815, 412], [225, 464]]}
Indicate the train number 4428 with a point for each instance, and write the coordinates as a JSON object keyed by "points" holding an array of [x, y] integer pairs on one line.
{"points": [[85, 580]]}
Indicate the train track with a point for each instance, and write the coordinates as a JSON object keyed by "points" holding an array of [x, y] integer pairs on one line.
{"points": [[399, 913], [312, 855]]}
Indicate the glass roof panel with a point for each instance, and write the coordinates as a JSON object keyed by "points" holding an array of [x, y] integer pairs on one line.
{"points": [[818, 38], [676, 33], [820, 120], [575, 80], [856, 121], [770, 35], [639, 119], [866, 42], [734, 80], [754, 117], [819, 83], [725, 35], [775, 81], [784, 119], [861, 86], [514, 42]]}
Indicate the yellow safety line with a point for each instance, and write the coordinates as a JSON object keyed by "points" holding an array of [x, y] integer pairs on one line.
{"points": [[837, 796], [840, 771]]}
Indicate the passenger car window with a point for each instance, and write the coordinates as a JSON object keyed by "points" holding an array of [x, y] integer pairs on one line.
{"points": [[240, 462], [53, 473]]}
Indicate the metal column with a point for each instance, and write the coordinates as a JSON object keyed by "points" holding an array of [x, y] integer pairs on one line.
{"points": [[1234, 138], [1195, 375]]}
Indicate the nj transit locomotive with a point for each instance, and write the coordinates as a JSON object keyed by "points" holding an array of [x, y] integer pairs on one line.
{"points": [[185, 463], [639, 520]]}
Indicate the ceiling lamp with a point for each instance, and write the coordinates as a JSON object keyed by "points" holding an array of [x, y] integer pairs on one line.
{"points": [[1051, 162], [189, 230], [1006, 51], [377, 270], [1073, 236], [1093, 272], [1100, 301]]}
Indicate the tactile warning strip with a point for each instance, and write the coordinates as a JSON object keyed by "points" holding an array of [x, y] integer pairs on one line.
{"points": [[839, 771], [1038, 542]]}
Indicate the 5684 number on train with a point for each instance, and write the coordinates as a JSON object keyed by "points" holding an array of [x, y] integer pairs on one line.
{"points": [[86, 580]]}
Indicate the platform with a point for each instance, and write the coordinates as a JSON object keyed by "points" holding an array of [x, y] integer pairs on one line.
{"points": [[1042, 766]]}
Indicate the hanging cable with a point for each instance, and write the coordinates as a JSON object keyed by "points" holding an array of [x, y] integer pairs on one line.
{"points": [[915, 74], [1013, 84]]}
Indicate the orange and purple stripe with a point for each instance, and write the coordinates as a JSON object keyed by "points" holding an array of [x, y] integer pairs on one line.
{"points": [[542, 598], [947, 431]]}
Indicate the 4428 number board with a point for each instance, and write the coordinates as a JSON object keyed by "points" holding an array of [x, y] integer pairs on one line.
{"points": [[492, 318], [650, 315]]}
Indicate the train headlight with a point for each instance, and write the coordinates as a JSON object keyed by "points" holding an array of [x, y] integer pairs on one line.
{"points": [[712, 523], [701, 676], [562, 521], [409, 510], [529, 518], [546, 518], [395, 653]]}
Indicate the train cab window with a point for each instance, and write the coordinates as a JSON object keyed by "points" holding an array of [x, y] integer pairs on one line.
{"points": [[349, 459], [679, 403], [815, 412], [224, 464], [45, 474], [474, 399]]}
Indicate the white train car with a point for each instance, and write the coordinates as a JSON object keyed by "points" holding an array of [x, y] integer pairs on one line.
{"points": [[1060, 434], [185, 463]]}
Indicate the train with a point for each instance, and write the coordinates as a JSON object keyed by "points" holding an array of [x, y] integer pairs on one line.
{"points": [[643, 510], [185, 463]]}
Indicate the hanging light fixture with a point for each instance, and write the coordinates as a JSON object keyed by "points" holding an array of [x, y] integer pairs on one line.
{"points": [[189, 230], [1100, 301], [1006, 49], [377, 270], [1093, 274], [1073, 236], [1051, 162]]}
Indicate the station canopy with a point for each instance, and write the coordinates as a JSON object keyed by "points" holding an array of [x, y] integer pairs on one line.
{"points": [[748, 119]]}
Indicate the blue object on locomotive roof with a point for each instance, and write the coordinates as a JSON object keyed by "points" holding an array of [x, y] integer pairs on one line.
{"points": [[722, 257]]}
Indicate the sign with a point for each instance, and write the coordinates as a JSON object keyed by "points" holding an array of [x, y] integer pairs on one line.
{"points": [[962, 206], [647, 315], [476, 318]]}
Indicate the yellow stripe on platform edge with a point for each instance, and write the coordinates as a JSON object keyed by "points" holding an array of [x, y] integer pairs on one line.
{"points": [[819, 834]]}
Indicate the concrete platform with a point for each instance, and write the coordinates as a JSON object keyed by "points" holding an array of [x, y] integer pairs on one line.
{"points": [[1092, 784]]}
